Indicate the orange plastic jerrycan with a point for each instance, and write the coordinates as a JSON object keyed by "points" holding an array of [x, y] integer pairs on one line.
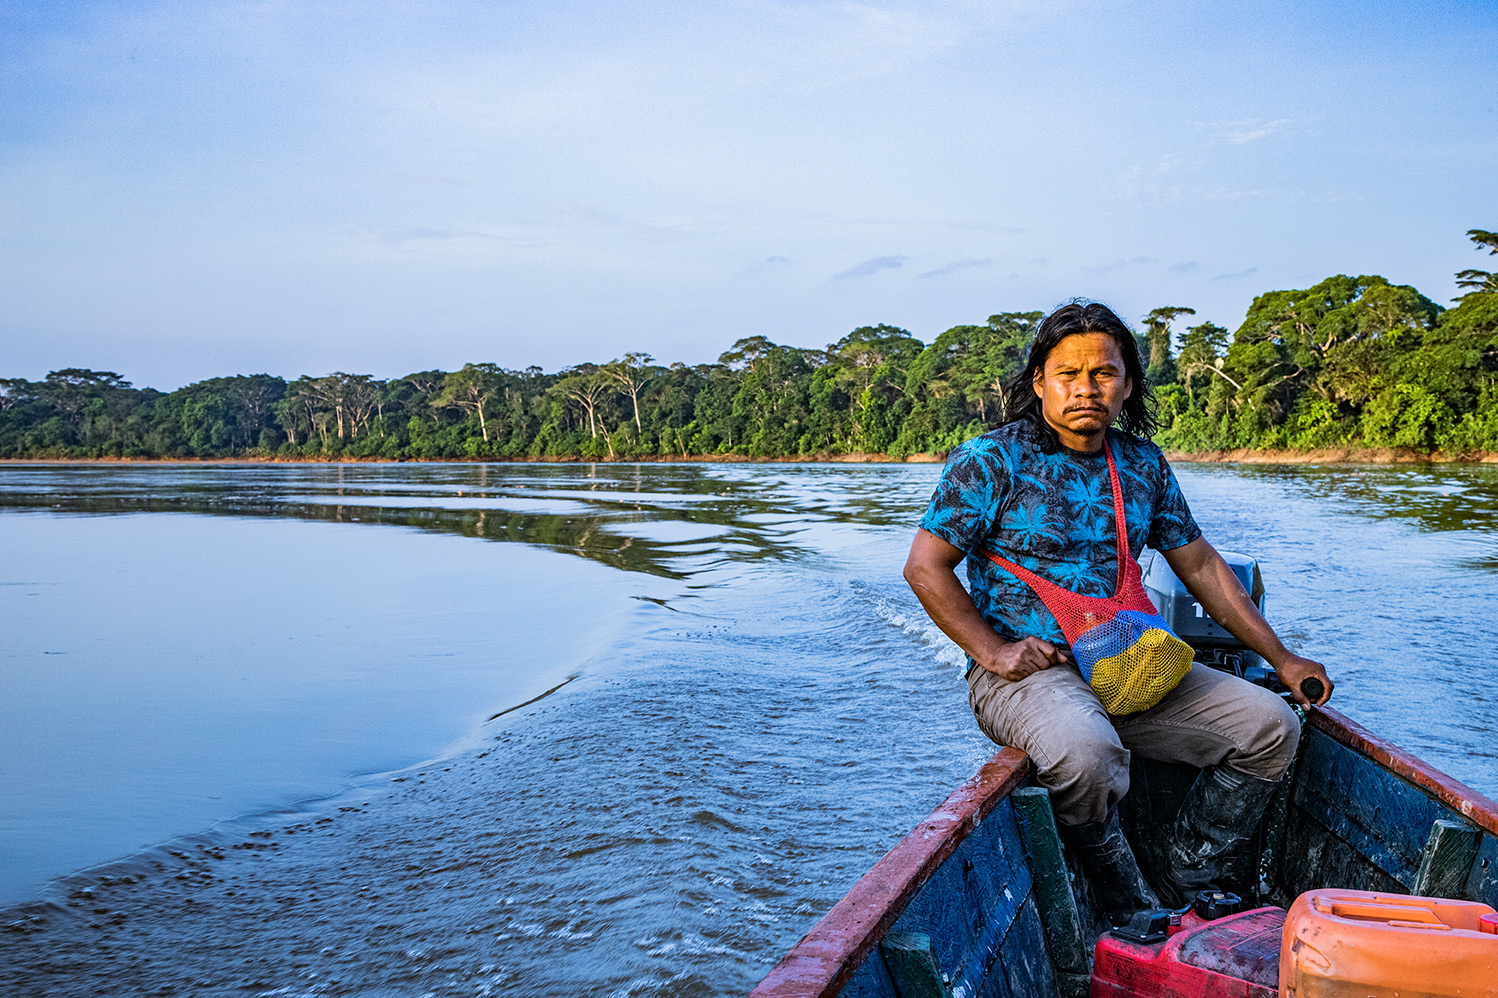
{"points": [[1359, 944]]}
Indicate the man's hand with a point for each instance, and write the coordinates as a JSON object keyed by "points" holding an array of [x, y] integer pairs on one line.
{"points": [[1294, 670], [930, 572], [1021, 658]]}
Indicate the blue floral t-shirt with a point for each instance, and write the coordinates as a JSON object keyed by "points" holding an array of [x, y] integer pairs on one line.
{"points": [[1052, 514]]}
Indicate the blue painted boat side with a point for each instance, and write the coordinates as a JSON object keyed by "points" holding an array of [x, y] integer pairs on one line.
{"points": [[1345, 800], [1482, 880], [1366, 815], [980, 913]]}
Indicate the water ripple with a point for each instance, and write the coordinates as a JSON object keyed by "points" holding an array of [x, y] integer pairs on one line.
{"points": [[774, 712]]}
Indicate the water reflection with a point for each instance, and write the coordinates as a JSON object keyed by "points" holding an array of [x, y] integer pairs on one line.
{"points": [[636, 518]]}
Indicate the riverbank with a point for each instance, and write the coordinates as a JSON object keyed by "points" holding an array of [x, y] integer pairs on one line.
{"points": [[1332, 455], [1242, 455], [818, 458]]}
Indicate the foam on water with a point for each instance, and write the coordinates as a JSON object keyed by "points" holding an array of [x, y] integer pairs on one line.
{"points": [[914, 622]]}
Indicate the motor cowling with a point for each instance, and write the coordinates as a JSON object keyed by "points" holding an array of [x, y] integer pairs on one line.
{"points": [[1213, 645]]}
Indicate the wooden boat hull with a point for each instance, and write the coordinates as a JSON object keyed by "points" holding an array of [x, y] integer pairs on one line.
{"points": [[971, 904]]}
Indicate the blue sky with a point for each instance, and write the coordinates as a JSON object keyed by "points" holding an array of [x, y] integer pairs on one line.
{"points": [[198, 189]]}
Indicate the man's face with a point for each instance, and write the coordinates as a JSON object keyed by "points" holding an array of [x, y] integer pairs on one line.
{"points": [[1082, 389]]}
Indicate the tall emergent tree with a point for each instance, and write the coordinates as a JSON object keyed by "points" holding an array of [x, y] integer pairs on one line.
{"points": [[1480, 281], [632, 373], [586, 387], [471, 388], [1159, 363]]}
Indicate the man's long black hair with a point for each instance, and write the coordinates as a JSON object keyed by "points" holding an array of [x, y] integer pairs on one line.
{"points": [[1080, 316]]}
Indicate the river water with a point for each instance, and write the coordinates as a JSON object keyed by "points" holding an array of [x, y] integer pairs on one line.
{"points": [[564, 729]]}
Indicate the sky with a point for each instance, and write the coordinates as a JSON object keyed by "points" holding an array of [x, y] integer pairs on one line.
{"points": [[196, 189]]}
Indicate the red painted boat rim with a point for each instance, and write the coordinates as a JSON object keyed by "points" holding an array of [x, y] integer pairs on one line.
{"points": [[821, 963], [1473, 806]]}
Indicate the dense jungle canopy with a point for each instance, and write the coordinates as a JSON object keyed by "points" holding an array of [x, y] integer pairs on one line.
{"points": [[1351, 361]]}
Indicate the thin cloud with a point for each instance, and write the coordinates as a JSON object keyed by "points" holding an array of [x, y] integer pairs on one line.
{"points": [[1118, 264], [598, 218], [530, 231], [767, 264], [1132, 187], [1243, 132], [911, 222], [870, 267], [955, 266], [420, 235], [423, 235], [1233, 277], [1226, 194], [1187, 267]]}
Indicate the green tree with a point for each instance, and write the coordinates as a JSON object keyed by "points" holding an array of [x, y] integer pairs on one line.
{"points": [[1406, 415], [871, 365], [956, 385], [1200, 357], [73, 389], [631, 373], [470, 389], [1480, 281], [587, 388], [15, 391], [218, 416], [1159, 365], [771, 402], [716, 426], [745, 352], [1334, 337]]}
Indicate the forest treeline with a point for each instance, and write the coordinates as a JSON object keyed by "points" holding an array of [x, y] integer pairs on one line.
{"points": [[1351, 361]]}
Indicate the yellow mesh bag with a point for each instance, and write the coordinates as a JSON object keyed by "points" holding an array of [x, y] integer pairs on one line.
{"points": [[1138, 677]]}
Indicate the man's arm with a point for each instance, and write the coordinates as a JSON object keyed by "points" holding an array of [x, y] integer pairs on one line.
{"points": [[1218, 590], [931, 572]]}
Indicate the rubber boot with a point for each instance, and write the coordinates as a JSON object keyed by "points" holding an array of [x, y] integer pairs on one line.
{"points": [[1109, 863], [1218, 819]]}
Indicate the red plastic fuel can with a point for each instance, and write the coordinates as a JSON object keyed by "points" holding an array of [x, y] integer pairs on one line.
{"points": [[1233, 957]]}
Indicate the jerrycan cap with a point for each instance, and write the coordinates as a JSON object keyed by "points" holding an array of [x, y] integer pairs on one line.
{"points": [[1488, 924], [1210, 905]]}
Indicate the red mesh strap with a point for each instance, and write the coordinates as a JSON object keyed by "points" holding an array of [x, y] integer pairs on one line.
{"points": [[1077, 613]]}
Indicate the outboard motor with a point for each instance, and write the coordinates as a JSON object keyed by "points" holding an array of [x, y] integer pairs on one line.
{"points": [[1213, 645]]}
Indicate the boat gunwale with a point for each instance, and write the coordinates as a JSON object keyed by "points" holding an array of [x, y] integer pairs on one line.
{"points": [[827, 956], [1480, 810]]}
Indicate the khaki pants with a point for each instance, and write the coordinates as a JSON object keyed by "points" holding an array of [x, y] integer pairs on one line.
{"points": [[1082, 755]]}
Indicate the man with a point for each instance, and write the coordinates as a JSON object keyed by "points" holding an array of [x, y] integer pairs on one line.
{"points": [[1038, 492]]}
